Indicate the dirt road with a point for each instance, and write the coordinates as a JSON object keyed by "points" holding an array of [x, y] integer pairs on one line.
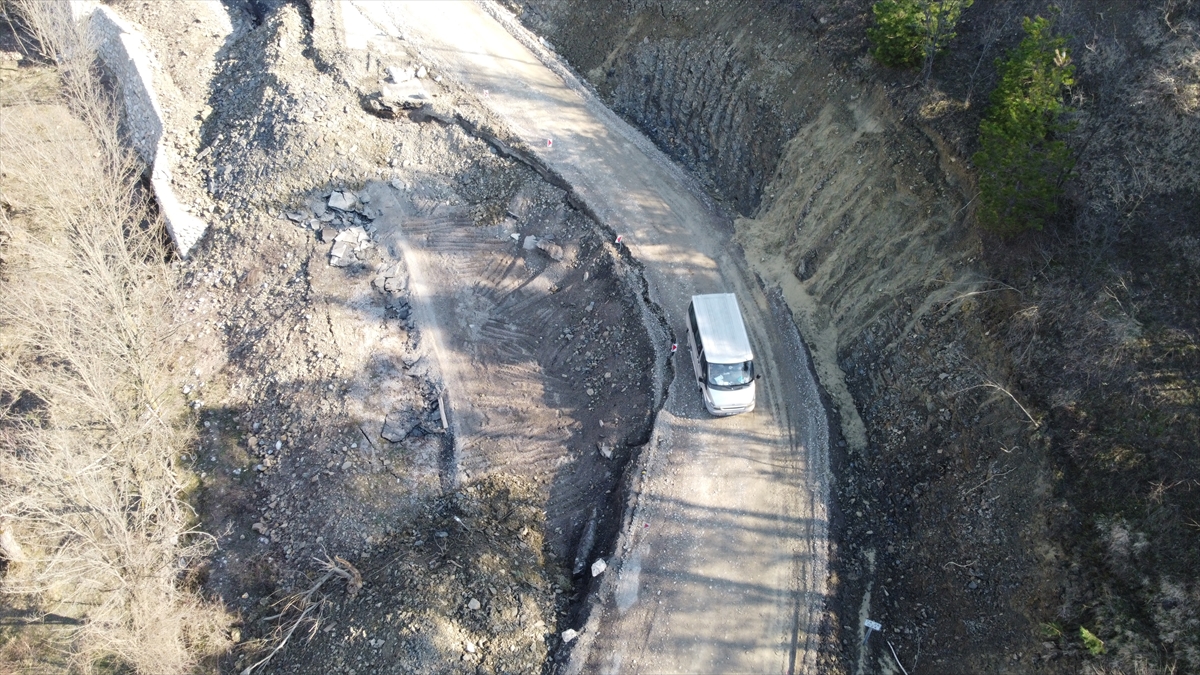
{"points": [[721, 563]]}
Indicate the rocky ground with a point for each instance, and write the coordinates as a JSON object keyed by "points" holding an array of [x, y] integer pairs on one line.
{"points": [[1018, 420], [327, 434], [994, 500]]}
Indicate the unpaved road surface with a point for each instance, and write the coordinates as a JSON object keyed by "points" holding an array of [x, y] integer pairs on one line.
{"points": [[721, 562]]}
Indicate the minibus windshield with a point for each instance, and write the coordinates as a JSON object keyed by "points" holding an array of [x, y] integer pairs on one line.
{"points": [[730, 375]]}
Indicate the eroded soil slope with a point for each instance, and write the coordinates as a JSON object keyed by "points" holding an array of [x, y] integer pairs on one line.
{"points": [[1019, 417]]}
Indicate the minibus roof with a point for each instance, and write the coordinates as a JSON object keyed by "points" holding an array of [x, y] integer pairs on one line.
{"points": [[721, 328]]}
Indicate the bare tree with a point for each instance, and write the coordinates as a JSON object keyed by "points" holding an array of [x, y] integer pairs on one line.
{"points": [[90, 498]]}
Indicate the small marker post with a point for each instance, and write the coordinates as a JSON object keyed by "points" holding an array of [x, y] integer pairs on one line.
{"points": [[549, 142], [674, 347], [870, 626], [620, 238]]}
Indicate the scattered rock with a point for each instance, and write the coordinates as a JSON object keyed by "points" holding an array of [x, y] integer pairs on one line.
{"points": [[569, 634], [341, 254], [551, 249], [398, 74], [473, 604], [347, 244], [343, 200], [399, 424], [259, 527], [598, 567], [530, 243]]}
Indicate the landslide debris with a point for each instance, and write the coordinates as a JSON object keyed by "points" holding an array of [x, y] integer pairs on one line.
{"points": [[326, 431]]}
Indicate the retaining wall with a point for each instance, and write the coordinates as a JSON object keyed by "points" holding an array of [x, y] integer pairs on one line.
{"points": [[123, 51]]}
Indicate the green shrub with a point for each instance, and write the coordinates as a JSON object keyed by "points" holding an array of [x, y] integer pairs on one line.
{"points": [[1023, 160], [910, 33], [1095, 645]]}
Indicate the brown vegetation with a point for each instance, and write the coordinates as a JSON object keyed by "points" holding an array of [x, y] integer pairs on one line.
{"points": [[90, 429]]}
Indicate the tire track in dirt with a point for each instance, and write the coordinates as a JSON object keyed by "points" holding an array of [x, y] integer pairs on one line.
{"points": [[729, 514], [519, 337]]}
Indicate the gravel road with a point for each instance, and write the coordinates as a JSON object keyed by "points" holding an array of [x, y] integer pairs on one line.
{"points": [[721, 562]]}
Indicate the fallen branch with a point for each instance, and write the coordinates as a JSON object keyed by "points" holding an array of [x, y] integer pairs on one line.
{"points": [[987, 480], [1008, 393], [335, 567], [992, 385], [889, 644]]}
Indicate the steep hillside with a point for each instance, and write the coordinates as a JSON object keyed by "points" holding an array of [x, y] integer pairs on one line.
{"points": [[1019, 416]]}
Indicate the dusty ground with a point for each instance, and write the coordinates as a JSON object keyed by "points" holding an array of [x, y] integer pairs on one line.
{"points": [[320, 404], [323, 397]]}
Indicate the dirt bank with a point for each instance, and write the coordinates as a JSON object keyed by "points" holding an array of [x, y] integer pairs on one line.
{"points": [[969, 372]]}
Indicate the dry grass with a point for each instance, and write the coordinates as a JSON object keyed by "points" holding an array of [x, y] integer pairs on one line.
{"points": [[89, 494]]}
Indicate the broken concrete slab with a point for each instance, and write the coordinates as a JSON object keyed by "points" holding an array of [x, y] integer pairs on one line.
{"points": [[398, 74], [343, 200], [341, 253], [393, 100], [356, 236], [520, 205], [316, 205], [391, 279]]}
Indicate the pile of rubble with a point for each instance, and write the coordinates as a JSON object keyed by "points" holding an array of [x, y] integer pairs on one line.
{"points": [[403, 91], [546, 246], [342, 219]]}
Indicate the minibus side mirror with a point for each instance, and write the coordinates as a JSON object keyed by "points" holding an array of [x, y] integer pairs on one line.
{"points": [[758, 377]]}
